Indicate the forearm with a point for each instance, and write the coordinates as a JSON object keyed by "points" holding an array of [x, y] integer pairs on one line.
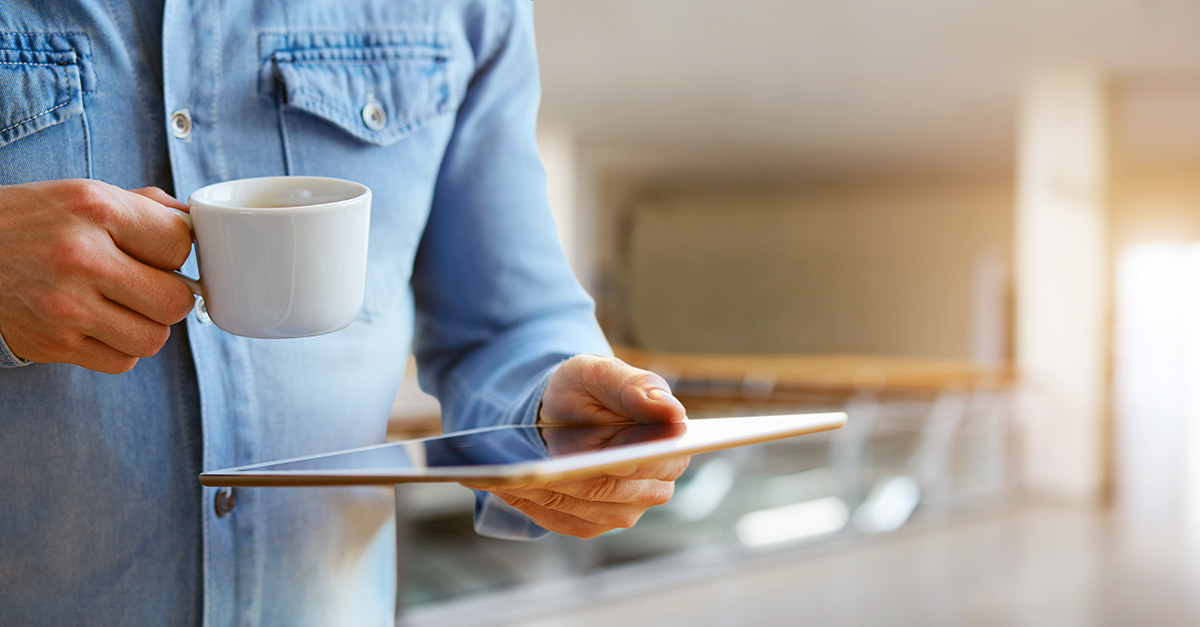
{"points": [[500, 380], [497, 305]]}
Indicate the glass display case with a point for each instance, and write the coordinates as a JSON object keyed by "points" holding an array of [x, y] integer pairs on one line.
{"points": [[902, 460]]}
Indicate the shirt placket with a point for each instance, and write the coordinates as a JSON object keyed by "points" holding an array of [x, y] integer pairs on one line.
{"points": [[192, 75]]}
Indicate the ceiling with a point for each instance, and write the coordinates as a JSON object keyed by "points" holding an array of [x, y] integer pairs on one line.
{"points": [[837, 87]]}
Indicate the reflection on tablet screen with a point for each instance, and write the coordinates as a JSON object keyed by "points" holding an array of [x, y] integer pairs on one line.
{"points": [[489, 447]]}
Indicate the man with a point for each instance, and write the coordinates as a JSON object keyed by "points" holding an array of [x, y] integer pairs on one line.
{"points": [[116, 393]]}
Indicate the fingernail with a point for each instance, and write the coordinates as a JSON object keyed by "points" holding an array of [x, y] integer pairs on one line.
{"points": [[661, 396]]}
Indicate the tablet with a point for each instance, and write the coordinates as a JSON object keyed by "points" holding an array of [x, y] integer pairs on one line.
{"points": [[515, 454]]}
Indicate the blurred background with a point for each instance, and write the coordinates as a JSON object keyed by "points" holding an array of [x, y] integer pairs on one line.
{"points": [[973, 226]]}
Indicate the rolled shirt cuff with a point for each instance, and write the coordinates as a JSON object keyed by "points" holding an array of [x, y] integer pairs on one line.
{"points": [[493, 517]]}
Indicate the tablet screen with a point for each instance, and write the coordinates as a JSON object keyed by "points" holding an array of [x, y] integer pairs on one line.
{"points": [[521, 451]]}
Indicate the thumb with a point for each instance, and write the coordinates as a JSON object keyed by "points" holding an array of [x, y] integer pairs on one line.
{"points": [[631, 392]]}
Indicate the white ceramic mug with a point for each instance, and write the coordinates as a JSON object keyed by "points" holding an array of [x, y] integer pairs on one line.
{"points": [[280, 256]]}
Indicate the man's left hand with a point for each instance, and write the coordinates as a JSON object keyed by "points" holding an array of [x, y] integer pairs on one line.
{"points": [[600, 390]]}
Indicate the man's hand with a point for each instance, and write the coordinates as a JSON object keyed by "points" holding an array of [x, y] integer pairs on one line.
{"points": [[83, 274], [600, 390]]}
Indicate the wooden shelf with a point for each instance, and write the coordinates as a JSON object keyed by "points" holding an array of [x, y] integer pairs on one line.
{"points": [[835, 374]]}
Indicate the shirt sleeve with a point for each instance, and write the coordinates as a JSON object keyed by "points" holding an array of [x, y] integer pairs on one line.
{"points": [[8, 359], [497, 306]]}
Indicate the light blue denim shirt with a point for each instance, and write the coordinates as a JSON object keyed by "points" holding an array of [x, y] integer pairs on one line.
{"points": [[103, 520]]}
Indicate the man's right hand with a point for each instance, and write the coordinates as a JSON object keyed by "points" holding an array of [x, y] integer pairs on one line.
{"points": [[84, 272]]}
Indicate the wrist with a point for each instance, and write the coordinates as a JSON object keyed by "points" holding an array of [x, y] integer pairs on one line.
{"points": [[8, 359]]}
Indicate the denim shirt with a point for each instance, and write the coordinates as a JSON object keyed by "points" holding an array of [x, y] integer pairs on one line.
{"points": [[103, 519]]}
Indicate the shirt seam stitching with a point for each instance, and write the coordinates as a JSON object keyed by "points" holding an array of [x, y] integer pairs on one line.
{"points": [[222, 162], [510, 19], [42, 34], [327, 62], [344, 119], [34, 117], [84, 52], [69, 63]]}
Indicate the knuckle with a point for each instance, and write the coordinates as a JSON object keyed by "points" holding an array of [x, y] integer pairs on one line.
{"points": [[585, 366], [58, 306], [154, 341], [662, 495], [120, 365], [635, 381], [600, 489], [598, 367], [553, 500], [91, 199], [180, 301], [515, 501], [76, 255], [178, 247], [646, 379], [61, 345], [73, 343]]}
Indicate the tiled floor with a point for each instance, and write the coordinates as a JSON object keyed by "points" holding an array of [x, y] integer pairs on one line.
{"points": [[1027, 566]]}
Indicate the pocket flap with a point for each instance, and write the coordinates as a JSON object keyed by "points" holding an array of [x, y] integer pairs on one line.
{"points": [[38, 89], [376, 90]]}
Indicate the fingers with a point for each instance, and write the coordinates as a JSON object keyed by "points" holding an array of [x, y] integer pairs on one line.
{"points": [[588, 507], [140, 225], [153, 293], [161, 197], [604, 491], [570, 515], [125, 331], [556, 521], [95, 355], [80, 272], [98, 335], [602, 392], [631, 392], [71, 347]]}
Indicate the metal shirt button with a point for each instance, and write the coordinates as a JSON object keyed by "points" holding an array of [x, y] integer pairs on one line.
{"points": [[181, 123], [224, 501], [374, 116], [200, 311]]}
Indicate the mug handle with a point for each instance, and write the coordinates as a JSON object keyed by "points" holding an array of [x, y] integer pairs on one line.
{"points": [[195, 285]]}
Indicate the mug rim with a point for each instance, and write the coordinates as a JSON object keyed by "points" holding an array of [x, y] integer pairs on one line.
{"points": [[198, 197]]}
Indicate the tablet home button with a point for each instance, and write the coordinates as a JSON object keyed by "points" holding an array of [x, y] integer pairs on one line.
{"points": [[224, 501]]}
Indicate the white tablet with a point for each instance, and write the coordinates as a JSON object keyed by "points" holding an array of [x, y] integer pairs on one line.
{"points": [[514, 454]]}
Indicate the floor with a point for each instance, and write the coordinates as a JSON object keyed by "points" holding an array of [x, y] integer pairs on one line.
{"points": [[1030, 565]]}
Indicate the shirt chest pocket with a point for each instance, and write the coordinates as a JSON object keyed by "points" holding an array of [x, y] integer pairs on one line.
{"points": [[43, 129], [374, 88], [368, 107]]}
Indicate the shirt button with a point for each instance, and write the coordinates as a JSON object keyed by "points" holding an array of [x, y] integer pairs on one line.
{"points": [[224, 501], [200, 311], [181, 123], [374, 116]]}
